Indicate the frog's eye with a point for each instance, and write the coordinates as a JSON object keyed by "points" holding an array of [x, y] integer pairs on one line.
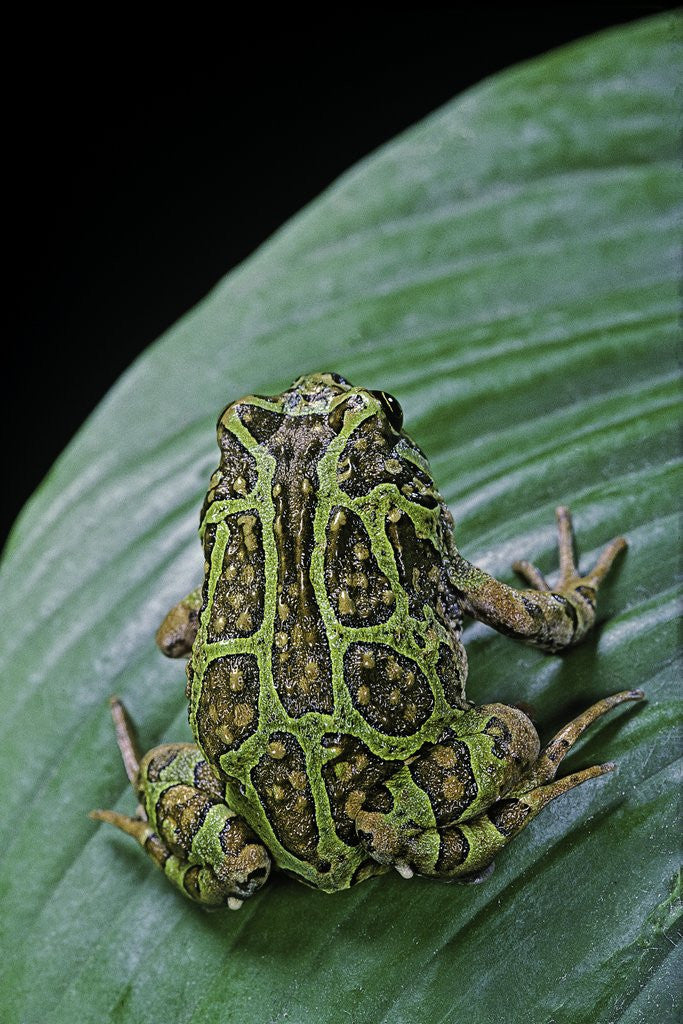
{"points": [[392, 408]]}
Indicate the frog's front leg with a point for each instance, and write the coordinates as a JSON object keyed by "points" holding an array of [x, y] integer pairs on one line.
{"points": [[460, 801], [176, 633], [551, 619], [184, 824]]}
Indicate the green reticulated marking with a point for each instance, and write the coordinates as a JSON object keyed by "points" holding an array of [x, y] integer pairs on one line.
{"points": [[206, 842], [417, 640], [308, 729], [400, 631], [412, 812], [485, 841], [181, 768], [180, 771], [412, 802], [175, 870], [259, 643]]}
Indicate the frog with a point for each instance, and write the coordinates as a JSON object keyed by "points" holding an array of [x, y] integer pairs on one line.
{"points": [[333, 738]]}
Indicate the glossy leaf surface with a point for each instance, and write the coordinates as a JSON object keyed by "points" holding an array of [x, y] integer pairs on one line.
{"points": [[507, 268]]}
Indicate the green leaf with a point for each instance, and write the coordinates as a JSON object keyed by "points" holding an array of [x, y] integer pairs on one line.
{"points": [[507, 268]]}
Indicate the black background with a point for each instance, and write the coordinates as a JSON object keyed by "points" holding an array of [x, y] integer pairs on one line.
{"points": [[133, 191]]}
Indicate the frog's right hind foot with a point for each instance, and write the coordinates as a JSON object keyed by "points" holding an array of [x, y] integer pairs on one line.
{"points": [[455, 773], [538, 786], [542, 772], [184, 824]]}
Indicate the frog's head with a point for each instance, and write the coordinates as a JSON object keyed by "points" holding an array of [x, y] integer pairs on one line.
{"points": [[297, 428], [322, 392]]}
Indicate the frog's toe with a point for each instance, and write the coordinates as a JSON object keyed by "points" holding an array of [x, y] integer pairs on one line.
{"points": [[531, 574], [548, 762], [404, 870], [184, 824]]}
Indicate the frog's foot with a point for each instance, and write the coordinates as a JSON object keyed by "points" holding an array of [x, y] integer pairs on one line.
{"points": [[552, 619], [480, 785], [580, 592], [176, 633], [184, 824]]}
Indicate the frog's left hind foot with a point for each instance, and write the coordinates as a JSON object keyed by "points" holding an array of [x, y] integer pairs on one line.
{"points": [[484, 783], [184, 824]]}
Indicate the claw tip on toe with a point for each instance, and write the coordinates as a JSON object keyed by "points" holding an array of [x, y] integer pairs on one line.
{"points": [[234, 903], [404, 871], [99, 815]]}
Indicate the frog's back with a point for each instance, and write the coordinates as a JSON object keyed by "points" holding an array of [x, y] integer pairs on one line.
{"points": [[328, 645]]}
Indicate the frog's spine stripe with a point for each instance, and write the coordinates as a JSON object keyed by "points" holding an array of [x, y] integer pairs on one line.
{"points": [[302, 670], [361, 594]]}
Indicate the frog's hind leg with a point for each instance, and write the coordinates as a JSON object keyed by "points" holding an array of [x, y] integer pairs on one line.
{"points": [[461, 800], [184, 824]]}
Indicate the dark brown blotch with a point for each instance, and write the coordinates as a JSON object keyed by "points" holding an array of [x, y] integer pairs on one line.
{"points": [[453, 851], [280, 779], [227, 712], [180, 813], [237, 605], [499, 732], [369, 458], [444, 771], [247, 862], [205, 780], [201, 883], [352, 777], [388, 689], [160, 760], [235, 835], [359, 592], [508, 816], [418, 563], [236, 475], [261, 423], [301, 665]]}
